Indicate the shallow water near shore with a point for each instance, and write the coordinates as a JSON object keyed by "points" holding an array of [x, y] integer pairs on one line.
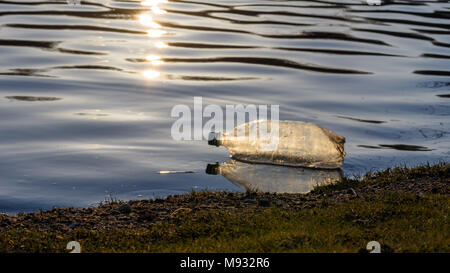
{"points": [[86, 91]]}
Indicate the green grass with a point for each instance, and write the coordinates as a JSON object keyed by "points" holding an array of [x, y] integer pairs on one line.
{"points": [[440, 171], [400, 222]]}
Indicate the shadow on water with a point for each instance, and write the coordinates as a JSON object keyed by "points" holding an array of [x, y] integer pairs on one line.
{"points": [[31, 98], [272, 178], [46, 45], [444, 95], [399, 147], [259, 61], [433, 72], [363, 120]]}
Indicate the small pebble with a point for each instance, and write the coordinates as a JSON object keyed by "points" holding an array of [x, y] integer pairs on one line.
{"points": [[125, 208], [74, 224], [264, 203]]}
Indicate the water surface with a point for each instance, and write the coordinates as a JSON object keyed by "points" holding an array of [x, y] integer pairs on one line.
{"points": [[86, 91]]}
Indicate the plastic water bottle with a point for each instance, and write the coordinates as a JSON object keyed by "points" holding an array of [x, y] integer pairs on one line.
{"points": [[288, 143], [272, 178]]}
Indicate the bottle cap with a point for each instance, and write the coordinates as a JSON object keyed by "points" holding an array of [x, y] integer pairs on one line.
{"points": [[212, 169], [213, 139]]}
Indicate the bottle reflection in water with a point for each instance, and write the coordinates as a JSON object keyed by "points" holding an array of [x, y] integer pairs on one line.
{"points": [[273, 178]]}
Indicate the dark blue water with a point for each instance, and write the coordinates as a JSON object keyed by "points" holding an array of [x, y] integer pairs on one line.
{"points": [[85, 115]]}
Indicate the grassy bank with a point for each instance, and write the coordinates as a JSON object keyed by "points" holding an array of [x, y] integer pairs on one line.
{"points": [[406, 210]]}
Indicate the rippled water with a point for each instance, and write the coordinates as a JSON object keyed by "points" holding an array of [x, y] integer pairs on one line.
{"points": [[86, 91]]}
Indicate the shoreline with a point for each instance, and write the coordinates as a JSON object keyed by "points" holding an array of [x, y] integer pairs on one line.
{"points": [[420, 192]]}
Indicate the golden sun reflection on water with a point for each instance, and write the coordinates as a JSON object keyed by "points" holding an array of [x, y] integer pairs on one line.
{"points": [[154, 32], [161, 44], [155, 60], [159, 11], [147, 20], [151, 74]]}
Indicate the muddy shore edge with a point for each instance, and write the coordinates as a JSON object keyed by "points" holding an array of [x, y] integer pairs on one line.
{"points": [[397, 205]]}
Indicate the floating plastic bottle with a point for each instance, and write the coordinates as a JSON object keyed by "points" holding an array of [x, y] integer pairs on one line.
{"points": [[272, 178], [288, 143]]}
